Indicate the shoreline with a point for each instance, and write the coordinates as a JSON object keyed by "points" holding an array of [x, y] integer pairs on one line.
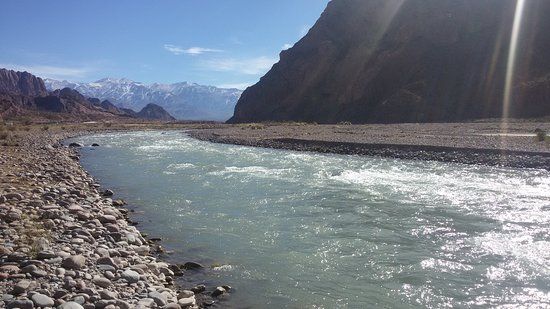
{"points": [[69, 243], [426, 143]]}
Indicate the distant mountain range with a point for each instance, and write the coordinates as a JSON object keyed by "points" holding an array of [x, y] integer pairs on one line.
{"points": [[23, 95], [183, 100], [391, 61]]}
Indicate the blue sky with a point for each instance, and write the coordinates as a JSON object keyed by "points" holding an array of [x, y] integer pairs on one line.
{"points": [[213, 42]]}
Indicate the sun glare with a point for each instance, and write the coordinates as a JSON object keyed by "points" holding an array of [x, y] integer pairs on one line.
{"points": [[511, 64]]}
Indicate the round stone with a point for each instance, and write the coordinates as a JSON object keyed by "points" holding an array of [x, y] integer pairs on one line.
{"points": [[74, 262], [70, 305], [102, 282], [130, 276], [41, 300]]}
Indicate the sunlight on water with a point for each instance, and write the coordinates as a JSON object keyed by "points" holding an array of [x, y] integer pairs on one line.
{"points": [[304, 230]]}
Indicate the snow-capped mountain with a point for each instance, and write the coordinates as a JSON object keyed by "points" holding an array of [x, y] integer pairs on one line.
{"points": [[182, 100]]}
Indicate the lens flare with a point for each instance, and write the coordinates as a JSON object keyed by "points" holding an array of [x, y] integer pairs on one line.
{"points": [[511, 65]]}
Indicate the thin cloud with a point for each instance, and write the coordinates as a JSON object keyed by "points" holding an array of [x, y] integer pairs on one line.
{"points": [[240, 86], [50, 71], [176, 50], [304, 30], [287, 46], [252, 66]]}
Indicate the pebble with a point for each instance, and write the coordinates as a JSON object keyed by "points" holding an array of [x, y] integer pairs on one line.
{"points": [[21, 287], [13, 196], [199, 289], [81, 252], [42, 300], [159, 298], [192, 265], [74, 262], [70, 305], [107, 295], [102, 282], [106, 261], [130, 276], [218, 291], [21, 304], [107, 193], [186, 302], [185, 294], [146, 302]]}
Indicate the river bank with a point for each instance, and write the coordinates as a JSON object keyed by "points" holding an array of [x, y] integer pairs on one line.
{"points": [[485, 143], [67, 242]]}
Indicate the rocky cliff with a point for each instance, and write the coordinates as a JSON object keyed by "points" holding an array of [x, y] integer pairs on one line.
{"points": [[407, 61], [21, 83]]}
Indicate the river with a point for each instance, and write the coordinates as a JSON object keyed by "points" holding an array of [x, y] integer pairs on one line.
{"points": [[304, 230]]}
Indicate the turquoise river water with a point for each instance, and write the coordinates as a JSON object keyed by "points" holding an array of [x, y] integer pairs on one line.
{"points": [[303, 230]]}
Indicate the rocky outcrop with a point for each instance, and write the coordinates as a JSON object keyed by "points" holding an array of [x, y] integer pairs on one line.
{"points": [[154, 112], [407, 61], [21, 83]]}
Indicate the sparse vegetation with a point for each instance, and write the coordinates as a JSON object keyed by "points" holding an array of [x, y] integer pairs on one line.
{"points": [[33, 235], [252, 126], [541, 135], [298, 123], [45, 128]]}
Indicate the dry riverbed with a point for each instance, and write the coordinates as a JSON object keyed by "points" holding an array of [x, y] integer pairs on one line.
{"points": [[67, 243], [470, 143]]}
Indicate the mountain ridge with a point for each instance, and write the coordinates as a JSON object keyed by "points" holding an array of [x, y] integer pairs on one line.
{"points": [[183, 100], [23, 94]]}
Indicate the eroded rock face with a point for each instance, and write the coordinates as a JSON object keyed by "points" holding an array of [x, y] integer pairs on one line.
{"points": [[21, 83], [382, 61]]}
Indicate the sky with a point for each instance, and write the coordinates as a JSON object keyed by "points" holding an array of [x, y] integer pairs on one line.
{"points": [[225, 43]]}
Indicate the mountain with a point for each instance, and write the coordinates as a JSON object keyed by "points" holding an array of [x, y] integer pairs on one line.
{"points": [[21, 83], [24, 95], [183, 100], [154, 112], [382, 61]]}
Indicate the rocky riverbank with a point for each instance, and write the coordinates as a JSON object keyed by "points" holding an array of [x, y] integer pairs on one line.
{"points": [[469, 143], [67, 243]]}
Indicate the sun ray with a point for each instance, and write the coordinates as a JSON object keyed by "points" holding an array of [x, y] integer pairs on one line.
{"points": [[511, 64]]}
